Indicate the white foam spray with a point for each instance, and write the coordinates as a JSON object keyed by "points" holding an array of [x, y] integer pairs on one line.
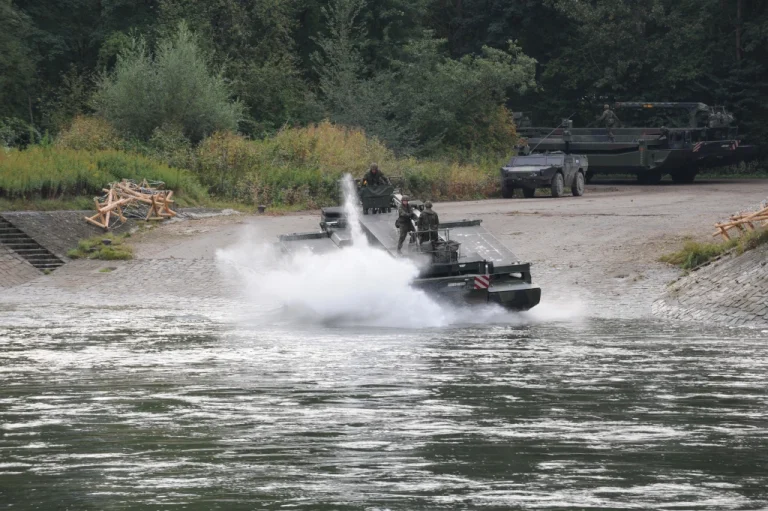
{"points": [[352, 213], [356, 286]]}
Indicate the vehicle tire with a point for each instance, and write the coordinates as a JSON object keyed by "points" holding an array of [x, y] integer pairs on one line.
{"points": [[651, 177], [365, 211], [558, 186], [528, 193], [506, 191], [578, 185], [684, 176], [589, 176]]}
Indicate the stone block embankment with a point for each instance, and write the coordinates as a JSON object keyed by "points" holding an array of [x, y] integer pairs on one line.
{"points": [[14, 270], [732, 291], [58, 231]]}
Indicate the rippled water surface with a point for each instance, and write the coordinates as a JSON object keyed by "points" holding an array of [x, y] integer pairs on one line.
{"points": [[123, 408]]}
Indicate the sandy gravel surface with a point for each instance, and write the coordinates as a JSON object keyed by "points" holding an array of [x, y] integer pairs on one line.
{"points": [[598, 252], [602, 247], [615, 223]]}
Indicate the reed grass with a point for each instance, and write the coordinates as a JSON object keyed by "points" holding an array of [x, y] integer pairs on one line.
{"points": [[50, 173]]}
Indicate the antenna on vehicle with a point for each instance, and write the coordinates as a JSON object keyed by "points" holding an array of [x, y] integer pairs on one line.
{"points": [[562, 123]]}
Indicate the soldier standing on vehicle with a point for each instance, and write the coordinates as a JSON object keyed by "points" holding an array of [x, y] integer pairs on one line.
{"points": [[428, 224], [374, 177], [404, 216], [608, 118]]}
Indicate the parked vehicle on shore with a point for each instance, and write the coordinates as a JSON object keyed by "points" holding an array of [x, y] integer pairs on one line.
{"points": [[556, 171], [651, 140]]}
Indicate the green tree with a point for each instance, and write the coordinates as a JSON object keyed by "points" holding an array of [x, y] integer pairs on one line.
{"points": [[17, 63], [426, 99], [174, 87], [350, 97], [459, 103], [256, 37]]}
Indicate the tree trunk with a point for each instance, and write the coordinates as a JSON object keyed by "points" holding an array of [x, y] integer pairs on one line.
{"points": [[738, 30], [31, 117]]}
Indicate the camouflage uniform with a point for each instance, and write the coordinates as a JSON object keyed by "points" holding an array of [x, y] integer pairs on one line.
{"points": [[404, 216], [428, 224], [374, 177], [608, 117]]}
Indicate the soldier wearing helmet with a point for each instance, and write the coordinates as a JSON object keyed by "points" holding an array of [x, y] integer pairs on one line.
{"points": [[404, 221], [609, 119], [428, 224], [374, 177]]}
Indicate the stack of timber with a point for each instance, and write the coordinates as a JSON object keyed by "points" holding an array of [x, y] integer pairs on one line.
{"points": [[130, 199], [743, 222]]}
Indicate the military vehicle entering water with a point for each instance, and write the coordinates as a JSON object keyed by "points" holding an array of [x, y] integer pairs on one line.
{"points": [[556, 171], [467, 264], [652, 139]]}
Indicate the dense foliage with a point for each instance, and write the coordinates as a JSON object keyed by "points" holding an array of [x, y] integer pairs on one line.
{"points": [[424, 76]]}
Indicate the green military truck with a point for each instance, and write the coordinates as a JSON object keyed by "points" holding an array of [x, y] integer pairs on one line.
{"points": [[652, 139]]}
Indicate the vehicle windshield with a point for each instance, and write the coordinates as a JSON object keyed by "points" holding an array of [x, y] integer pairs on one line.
{"points": [[520, 161]]}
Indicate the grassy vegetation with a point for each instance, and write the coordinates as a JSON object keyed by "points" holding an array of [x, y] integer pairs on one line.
{"points": [[21, 204], [301, 167], [750, 170], [50, 173], [298, 168], [695, 254], [95, 248]]}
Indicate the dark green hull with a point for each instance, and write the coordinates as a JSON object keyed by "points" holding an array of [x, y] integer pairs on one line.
{"points": [[641, 151], [484, 271]]}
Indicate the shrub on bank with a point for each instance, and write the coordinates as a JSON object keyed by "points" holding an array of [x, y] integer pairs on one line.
{"points": [[89, 134], [695, 254], [298, 167], [54, 172], [302, 166]]}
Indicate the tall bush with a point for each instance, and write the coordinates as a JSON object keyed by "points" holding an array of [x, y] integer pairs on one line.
{"points": [[175, 86]]}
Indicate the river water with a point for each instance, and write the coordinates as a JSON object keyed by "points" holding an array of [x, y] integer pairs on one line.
{"points": [[141, 407]]}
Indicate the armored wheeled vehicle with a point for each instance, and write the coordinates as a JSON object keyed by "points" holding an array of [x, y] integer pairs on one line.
{"points": [[556, 171], [651, 139], [467, 264]]}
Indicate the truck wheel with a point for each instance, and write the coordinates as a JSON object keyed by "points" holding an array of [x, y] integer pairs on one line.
{"points": [[506, 191], [528, 193], [651, 177], [578, 185], [557, 185], [684, 176]]}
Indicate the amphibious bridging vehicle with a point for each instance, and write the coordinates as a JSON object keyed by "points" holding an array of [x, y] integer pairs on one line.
{"points": [[468, 264], [667, 138]]}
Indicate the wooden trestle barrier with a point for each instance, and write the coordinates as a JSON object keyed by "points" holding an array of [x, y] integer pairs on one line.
{"points": [[743, 222], [124, 194]]}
